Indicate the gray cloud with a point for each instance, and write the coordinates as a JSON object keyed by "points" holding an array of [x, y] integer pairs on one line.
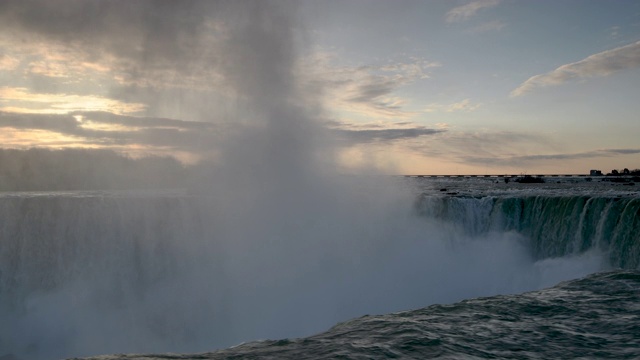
{"points": [[375, 89], [145, 31], [59, 123], [384, 135], [621, 151], [173, 55], [600, 64], [368, 90]]}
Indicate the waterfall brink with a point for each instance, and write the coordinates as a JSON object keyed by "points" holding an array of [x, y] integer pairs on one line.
{"points": [[554, 226]]}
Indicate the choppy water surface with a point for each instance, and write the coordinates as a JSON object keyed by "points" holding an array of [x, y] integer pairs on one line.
{"points": [[597, 317]]}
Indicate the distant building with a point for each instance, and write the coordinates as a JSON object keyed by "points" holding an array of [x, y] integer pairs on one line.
{"points": [[595, 173]]}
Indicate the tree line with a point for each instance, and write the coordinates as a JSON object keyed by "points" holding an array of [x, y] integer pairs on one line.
{"points": [[624, 171]]}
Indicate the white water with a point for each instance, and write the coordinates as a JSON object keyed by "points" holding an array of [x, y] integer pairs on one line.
{"points": [[102, 273]]}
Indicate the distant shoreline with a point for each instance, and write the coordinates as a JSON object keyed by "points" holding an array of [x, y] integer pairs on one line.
{"points": [[522, 175]]}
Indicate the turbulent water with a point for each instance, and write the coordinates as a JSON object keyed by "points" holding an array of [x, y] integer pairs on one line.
{"points": [[594, 317], [88, 273]]}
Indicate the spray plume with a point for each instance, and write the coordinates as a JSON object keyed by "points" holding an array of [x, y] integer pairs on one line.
{"points": [[274, 241]]}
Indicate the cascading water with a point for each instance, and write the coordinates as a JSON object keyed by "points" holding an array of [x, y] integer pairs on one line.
{"points": [[555, 226]]}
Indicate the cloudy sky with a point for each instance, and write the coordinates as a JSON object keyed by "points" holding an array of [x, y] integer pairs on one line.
{"points": [[412, 87]]}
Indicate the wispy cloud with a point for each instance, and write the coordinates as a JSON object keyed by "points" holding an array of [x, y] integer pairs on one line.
{"points": [[465, 12], [8, 63], [614, 32], [529, 159], [462, 106], [369, 90], [600, 64], [472, 148]]}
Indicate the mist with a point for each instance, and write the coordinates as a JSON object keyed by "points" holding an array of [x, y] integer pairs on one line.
{"points": [[274, 240]]}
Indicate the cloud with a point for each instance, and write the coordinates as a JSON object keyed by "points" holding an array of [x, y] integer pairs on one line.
{"points": [[140, 44], [385, 135], [601, 64], [472, 148], [174, 50], [369, 90], [8, 63], [379, 132], [62, 103], [465, 12], [462, 106], [518, 160], [108, 130], [614, 32], [190, 59]]}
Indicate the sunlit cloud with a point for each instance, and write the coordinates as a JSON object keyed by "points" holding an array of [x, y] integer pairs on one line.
{"points": [[23, 101], [8, 63], [462, 106], [465, 12], [28, 138], [110, 131], [99, 126], [601, 64], [12, 138], [49, 69]]}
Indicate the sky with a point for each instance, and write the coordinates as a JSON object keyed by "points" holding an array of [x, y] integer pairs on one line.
{"points": [[406, 87]]}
